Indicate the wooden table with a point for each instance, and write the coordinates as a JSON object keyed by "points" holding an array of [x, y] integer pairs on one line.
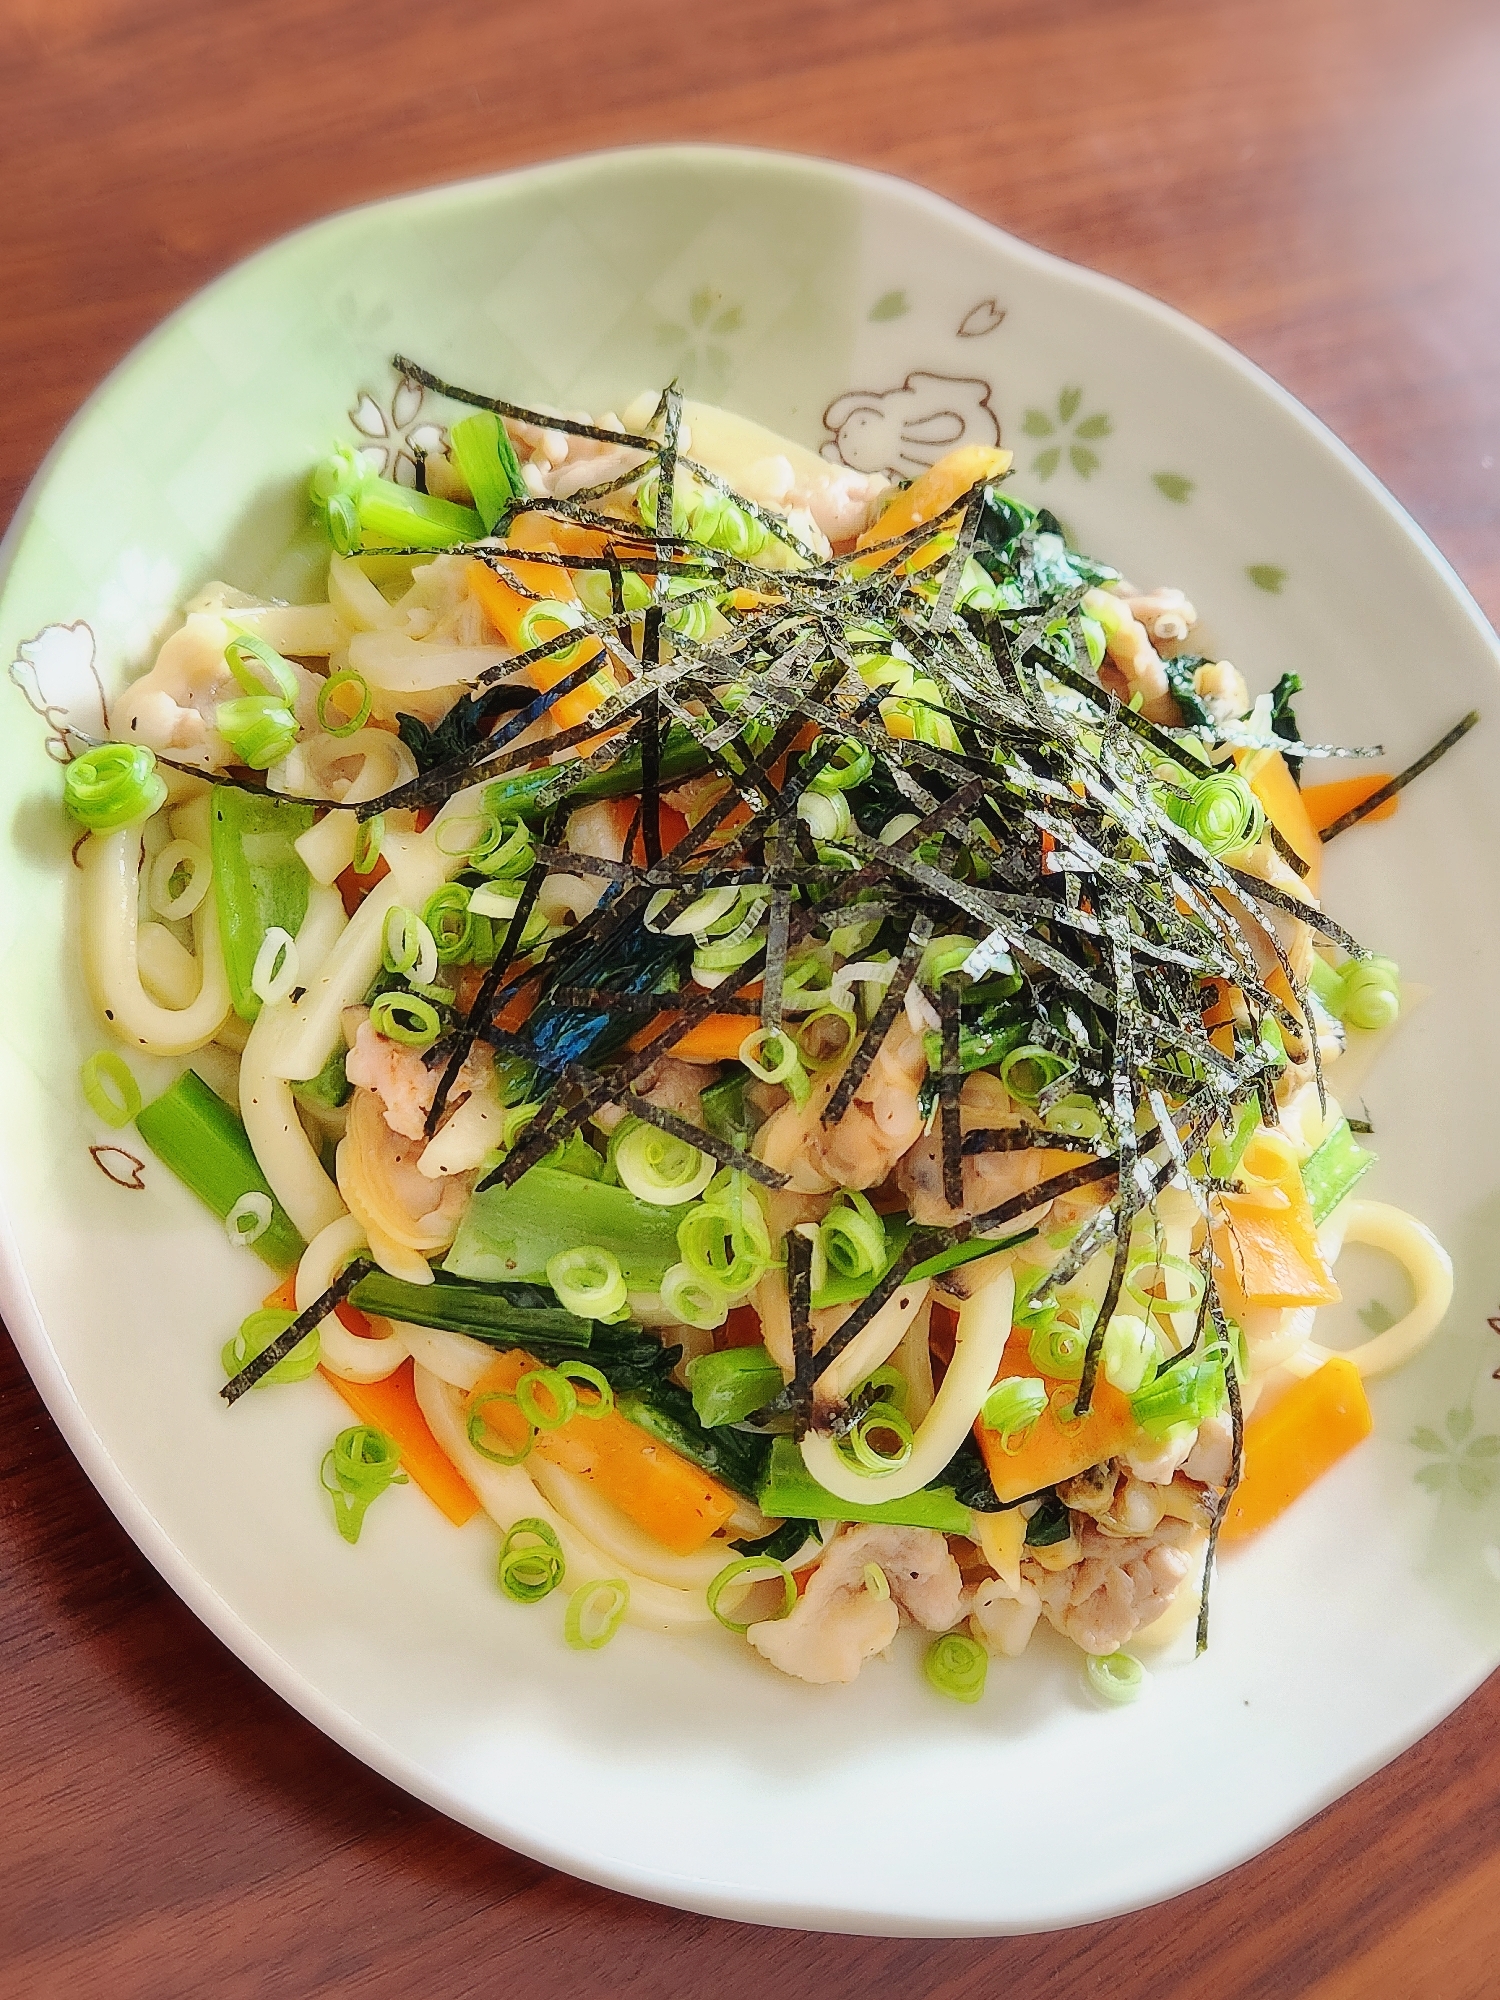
{"points": [[1318, 180]]}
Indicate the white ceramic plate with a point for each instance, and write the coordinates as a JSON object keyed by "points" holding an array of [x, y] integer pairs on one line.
{"points": [[867, 316]]}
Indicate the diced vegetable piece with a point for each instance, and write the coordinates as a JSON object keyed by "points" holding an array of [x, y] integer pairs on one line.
{"points": [[1053, 1449], [391, 1406], [933, 492], [500, 1314], [511, 1233], [650, 1483], [1334, 1169], [727, 1386], [330, 1087], [398, 517], [260, 880], [838, 1291], [1326, 803], [716, 1038], [1311, 1428], [484, 454], [523, 623], [1273, 784], [667, 1412], [197, 1135], [1265, 1245], [789, 1491]]}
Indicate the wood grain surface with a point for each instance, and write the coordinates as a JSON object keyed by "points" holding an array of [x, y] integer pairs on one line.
{"points": [[1318, 180]]}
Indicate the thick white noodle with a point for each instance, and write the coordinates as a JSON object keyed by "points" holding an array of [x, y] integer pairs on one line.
{"points": [[1428, 1265], [110, 864], [418, 866], [287, 1157], [453, 1357], [341, 1352], [307, 630], [983, 1329], [508, 1495], [875, 1343]]}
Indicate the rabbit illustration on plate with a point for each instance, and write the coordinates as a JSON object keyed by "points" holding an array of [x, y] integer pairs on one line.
{"points": [[902, 431]]}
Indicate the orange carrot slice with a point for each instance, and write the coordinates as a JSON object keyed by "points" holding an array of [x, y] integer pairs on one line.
{"points": [[930, 496], [1326, 803], [391, 1406], [1265, 1246], [1284, 807], [1057, 1446], [1311, 1428], [652, 1485]]}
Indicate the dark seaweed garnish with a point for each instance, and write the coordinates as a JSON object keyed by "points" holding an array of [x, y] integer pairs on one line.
{"points": [[1402, 778], [1040, 828]]}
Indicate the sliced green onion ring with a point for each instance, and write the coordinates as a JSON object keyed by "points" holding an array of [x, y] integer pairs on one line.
{"points": [[109, 1089], [408, 946], [368, 837], [853, 1237], [588, 1281], [256, 1333], [660, 1168], [1130, 1353], [591, 1378], [772, 1055], [1075, 1117], [882, 1419], [849, 765], [557, 617], [475, 1424], [1013, 1407], [531, 1563], [694, 1300], [246, 647], [809, 1039], [747, 1572], [1057, 1348], [1029, 1070], [1115, 1677], [259, 728], [451, 923], [332, 719], [957, 1667], [406, 1018], [275, 971], [250, 1218], [174, 857], [112, 785], [595, 1613], [560, 1404]]}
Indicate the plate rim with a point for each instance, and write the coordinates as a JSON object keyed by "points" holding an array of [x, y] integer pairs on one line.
{"points": [[22, 1315]]}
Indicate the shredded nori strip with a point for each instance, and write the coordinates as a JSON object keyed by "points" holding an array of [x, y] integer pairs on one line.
{"points": [[1403, 778], [297, 1332], [885, 1015], [1041, 828], [799, 1295]]}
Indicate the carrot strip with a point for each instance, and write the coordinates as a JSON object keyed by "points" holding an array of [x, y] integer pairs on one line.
{"points": [[391, 1406], [928, 498], [1053, 1450], [1284, 806], [1326, 803], [1265, 1247], [1311, 1428], [284, 1298], [507, 608], [652, 1485]]}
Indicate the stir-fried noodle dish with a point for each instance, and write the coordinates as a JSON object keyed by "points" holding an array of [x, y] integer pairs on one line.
{"points": [[775, 1031]]}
